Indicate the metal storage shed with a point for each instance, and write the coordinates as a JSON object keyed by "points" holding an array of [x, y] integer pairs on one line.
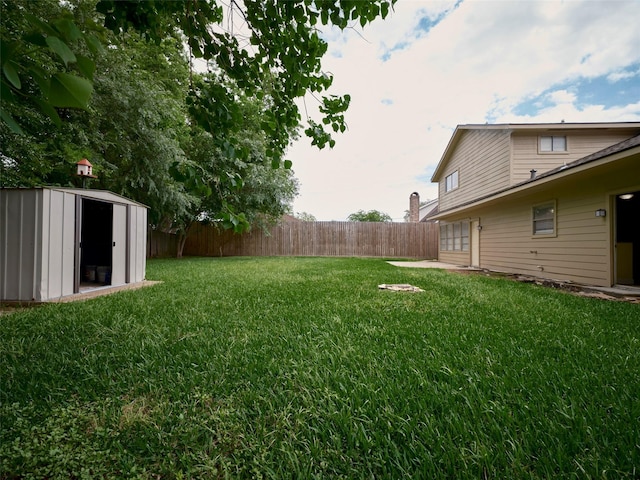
{"points": [[56, 242]]}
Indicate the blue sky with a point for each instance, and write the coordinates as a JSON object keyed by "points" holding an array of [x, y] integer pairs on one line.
{"points": [[432, 65], [601, 90]]}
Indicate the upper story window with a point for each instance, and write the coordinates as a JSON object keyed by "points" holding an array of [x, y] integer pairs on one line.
{"points": [[451, 181], [553, 144]]}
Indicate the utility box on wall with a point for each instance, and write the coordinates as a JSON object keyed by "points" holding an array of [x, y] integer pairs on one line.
{"points": [[56, 242]]}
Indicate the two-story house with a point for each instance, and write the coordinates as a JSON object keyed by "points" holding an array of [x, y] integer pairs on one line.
{"points": [[558, 201]]}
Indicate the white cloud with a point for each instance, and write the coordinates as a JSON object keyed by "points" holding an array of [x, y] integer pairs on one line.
{"points": [[562, 97], [480, 61], [614, 77], [573, 113]]}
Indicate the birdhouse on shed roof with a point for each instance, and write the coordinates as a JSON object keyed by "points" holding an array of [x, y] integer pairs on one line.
{"points": [[85, 169]]}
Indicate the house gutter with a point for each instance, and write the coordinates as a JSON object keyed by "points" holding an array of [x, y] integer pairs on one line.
{"points": [[545, 178]]}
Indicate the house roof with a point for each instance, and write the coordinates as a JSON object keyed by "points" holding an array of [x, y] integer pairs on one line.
{"points": [[428, 209], [611, 153], [539, 127], [430, 216], [605, 152]]}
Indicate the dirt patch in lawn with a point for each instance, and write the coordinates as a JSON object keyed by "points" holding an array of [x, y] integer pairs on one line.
{"points": [[615, 294]]}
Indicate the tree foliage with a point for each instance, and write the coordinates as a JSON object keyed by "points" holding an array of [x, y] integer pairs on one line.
{"points": [[305, 217], [133, 130], [280, 42], [112, 81], [234, 176], [370, 216], [46, 59]]}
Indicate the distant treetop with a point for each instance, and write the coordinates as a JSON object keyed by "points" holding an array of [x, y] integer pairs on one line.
{"points": [[370, 216]]}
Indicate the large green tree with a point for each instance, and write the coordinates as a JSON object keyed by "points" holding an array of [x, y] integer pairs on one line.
{"points": [[233, 176], [133, 129], [113, 81], [137, 124], [279, 40]]}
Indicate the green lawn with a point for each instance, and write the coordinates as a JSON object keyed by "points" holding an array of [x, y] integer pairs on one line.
{"points": [[302, 368]]}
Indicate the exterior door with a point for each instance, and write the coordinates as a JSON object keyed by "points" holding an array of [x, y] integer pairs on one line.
{"points": [[119, 245], [475, 243], [627, 238], [96, 220]]}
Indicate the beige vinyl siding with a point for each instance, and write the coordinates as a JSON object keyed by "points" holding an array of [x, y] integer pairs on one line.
{"points": [[482, 160], [455, 258], [579, 253], [581, 250], [579, 144]]}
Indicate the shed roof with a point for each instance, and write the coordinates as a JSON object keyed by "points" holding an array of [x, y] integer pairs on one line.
{"points": [[101, 195]]}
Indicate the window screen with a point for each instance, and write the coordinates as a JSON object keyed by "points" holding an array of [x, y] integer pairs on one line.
{"points": [[451, 181], [544, 217], [553, 144]]}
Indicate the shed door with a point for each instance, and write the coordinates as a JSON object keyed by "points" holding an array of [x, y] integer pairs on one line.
{"points": [[96, 234], [119, 244]]}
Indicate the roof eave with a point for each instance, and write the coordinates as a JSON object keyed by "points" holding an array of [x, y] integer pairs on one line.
{"points": [[452, 142], [455, 137], [536, 182]]}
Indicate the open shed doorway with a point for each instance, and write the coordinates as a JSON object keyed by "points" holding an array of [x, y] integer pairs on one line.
{"points": [[627, 234], [96, 237]]}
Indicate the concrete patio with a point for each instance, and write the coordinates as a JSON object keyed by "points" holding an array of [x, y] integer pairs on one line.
{"points": [[433, 264], [617, 292]]}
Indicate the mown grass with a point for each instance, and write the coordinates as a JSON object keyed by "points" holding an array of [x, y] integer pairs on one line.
{"points": [[302, 368]]}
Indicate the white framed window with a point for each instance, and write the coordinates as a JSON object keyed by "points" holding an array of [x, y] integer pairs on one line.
{"points": [[451, 181], [454, 237], [544, 219], [553, 144], [464, 236]]}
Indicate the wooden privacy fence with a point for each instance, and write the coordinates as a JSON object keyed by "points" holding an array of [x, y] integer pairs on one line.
{"points": [[161, 244], [335, 239]]}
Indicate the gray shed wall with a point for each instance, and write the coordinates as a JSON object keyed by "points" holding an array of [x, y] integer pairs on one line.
{"points": [[138, 245], [19, 240], [39, 260]]}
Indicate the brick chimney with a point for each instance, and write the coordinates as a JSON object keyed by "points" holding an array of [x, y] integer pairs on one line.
{"points": [[414, 207]]}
